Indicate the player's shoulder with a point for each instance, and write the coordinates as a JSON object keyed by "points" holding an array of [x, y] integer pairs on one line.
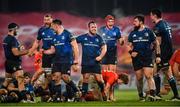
{"points": [[67, 32], [116, 28], [148, 29], [102, 27], [9, 38], [83, 35]]}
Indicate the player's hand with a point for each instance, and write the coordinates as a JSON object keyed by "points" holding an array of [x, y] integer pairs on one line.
{"points": [[30, 53], [99, 58], [22, 47], [75, 67], [158, 60], [134, 54]]}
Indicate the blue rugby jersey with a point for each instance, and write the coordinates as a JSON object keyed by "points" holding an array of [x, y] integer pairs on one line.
{"points": [[142, 41], [91, 48], [162, 29], [46, 34], [63, 48], [10, 42]]}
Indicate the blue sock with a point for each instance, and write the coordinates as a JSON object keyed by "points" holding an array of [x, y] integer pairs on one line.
{"points": [[101, 86], [157, 81], [73, 86], [84, 88], [172, 83]]}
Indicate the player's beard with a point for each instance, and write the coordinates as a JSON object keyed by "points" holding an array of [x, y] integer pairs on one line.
{"points": [[48, 24], [92, 33], [15, 33], [136, 27]]}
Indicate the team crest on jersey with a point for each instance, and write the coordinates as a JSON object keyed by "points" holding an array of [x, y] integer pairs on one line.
{"points": [[140, 38], [43, 33], [114, 33], [134, 35], [97, 40], [146, 34], [62, 37], [85, 39]]}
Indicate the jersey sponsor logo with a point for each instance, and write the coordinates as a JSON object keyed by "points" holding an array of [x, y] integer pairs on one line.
{"points": [[114, 33], [43, 33], [85, 39], [141, 40], [97, 40], [58, 43], [89, 44], [134, 36], [146, 34], [47, 39], [62, 37]]}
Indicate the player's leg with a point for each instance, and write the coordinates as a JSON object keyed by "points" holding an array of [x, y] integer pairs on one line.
{"points": [[176, 71], [148, 72], [8, 78], [171, 80], [20, 78], [139, 83], [111, 94], [112, 67], [157, 80], [36, 75], [100, 82], [104, 68], [66, 78], [85, 83], [57, 85]]}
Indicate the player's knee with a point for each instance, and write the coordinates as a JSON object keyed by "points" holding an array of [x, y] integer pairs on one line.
{"points": [[149, 77]]}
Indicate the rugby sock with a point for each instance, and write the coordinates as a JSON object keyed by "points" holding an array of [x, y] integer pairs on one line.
{"points": [[101, 86], [51, 86], [84, 88], [139, 84], [22, 95], [69, 91], [73, 86], [157, 81], [152, 92], [57, 90], [172, 83]]}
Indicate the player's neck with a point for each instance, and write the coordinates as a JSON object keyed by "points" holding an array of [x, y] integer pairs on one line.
{"points": [[10, 33], [141, 27], [91, 34], [47, 25], [60, 31], [108, 27], [157, 21]]}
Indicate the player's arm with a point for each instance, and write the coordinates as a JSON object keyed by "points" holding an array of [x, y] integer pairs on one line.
{"points": [[158, 50], [11, 87], [103, 52], [50, 51], [131, 51], [121, 41], [34, 47], [18, 52], [75, 50]]}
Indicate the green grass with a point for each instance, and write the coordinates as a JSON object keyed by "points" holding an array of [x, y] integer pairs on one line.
{"points": [[124, 98]]}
